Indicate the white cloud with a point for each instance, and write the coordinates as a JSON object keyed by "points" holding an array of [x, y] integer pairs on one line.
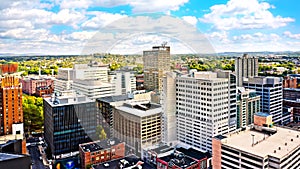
{"points": [[190, 19], [292, 36], [142, 6], [249, 14], [100, 19], [67, 4], [219, 36]]}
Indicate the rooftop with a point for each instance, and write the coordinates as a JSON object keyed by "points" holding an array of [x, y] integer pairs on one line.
{"points": [[262, 114], [277, 145], [99, 145], [129, 162], [191, 152], [67, 99], [118, 98], [178, 159], [141, 109], [5, 156]]}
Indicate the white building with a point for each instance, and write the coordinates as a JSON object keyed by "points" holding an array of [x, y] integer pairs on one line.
{"points": [[168, 103], [66, 76], [202, 107], [64, 79], [91, 71], [124, 82], [93, 88]]}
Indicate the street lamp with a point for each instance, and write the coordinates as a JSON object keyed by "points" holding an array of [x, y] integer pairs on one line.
{"points": [[252, 139]]}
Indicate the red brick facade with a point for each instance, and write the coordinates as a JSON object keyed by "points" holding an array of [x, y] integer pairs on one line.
{"points": [[99, 156]]}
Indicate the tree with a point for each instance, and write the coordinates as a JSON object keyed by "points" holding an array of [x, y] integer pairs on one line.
{"points": [[33, 113], [100, 132]]}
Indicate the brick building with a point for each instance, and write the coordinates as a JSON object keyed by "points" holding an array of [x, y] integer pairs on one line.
{"points": [[11, 113], [37, 86], [101, 151]]}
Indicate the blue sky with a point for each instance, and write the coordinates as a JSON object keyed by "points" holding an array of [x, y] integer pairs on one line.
{"points": [[66, 26]]}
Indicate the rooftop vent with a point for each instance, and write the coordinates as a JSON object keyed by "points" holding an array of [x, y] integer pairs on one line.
{"points": [[285, 144], [292, 140], [279, 148], [274, 151]]}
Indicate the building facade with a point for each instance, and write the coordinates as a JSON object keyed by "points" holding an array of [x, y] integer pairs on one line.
{"points": [[248, 103], [37, 86], [105, 111], [156, 63], [202, 107], [245, 67], [168, 103], [69, 120], [11, 112], [100, 151], [138, 124], [270, 91]]}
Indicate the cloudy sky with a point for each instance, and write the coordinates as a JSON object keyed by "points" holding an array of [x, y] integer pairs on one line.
{"points": [[129, 26]]}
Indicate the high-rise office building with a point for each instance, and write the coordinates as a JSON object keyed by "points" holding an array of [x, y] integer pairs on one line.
{"points": [[156, 63], [245, 67], [168, 102], [270, 91], [203, 108], [260, 146], [232, 109], [69, 120], [248, 104], [11, 112]]}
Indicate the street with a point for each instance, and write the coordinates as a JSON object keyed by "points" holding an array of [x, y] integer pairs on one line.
{"points": [[35, 157]]}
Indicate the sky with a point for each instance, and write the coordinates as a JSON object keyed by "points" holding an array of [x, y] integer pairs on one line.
{"points": [[56, 27]]}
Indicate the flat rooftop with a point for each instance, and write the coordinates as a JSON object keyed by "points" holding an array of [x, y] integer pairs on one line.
{"points": [[141, 109], [178, 159], [286, 139], [67, 99], [5, 156], [131, 159], [117, 98], [99, 145]]}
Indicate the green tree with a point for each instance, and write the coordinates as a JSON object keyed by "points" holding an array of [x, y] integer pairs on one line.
{"points": [[100, 132], [32, 113]]}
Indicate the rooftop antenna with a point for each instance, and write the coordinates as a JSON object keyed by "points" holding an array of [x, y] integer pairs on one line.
{"points": [[164, 44]]}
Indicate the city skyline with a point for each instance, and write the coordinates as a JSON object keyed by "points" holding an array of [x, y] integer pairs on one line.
{"points": [[64, 27]]}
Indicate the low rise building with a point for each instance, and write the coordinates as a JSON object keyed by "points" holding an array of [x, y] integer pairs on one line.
{"points": [[37, 85], [164, 156], [101, 151], [128, 162]]}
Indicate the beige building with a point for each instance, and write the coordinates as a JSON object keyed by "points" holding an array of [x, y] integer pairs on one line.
{"points": [[138, 124], [156, 63], [260, 146]]}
